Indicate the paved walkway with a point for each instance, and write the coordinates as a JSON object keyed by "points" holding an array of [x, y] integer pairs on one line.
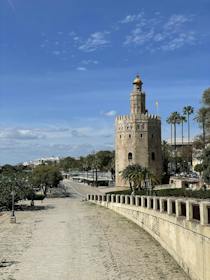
{"points": [[72, 239]]}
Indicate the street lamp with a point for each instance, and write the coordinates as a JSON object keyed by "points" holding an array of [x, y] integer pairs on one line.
{"points": [[13, 218]]}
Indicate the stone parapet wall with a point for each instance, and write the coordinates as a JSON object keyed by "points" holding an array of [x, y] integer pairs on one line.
{"points": [[181, 226], [135, 117]]}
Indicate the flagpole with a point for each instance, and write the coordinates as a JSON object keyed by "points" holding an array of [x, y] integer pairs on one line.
{"points": [[157, 107]]}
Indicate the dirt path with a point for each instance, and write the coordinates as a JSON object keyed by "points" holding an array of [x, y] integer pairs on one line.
{"points": [[74, 240]]}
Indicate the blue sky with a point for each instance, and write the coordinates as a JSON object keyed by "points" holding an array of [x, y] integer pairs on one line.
{"points": [[66, 69]]}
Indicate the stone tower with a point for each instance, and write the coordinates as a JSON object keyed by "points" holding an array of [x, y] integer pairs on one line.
{"points": [[138, 136]]}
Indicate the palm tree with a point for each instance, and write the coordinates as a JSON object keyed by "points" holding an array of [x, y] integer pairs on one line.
{"points": [[182, 120], [133, 174], [138, 176], [169, 121], [175, 119], [188, 110], [201, 118]]}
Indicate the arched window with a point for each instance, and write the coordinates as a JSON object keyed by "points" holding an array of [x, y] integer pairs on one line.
{"points": [[129, 135], [153, 156], [130, 156]]}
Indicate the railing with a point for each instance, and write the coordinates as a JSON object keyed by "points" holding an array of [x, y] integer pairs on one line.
{"points": [[190, 209]]}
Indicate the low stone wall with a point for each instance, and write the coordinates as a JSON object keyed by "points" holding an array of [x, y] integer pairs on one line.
{"points": [[181, 226]]}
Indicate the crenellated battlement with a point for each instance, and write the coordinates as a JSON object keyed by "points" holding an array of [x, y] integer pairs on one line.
{"points": [[133, 117]]}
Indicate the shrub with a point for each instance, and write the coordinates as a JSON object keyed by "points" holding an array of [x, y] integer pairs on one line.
{"points": [[202, 194]]}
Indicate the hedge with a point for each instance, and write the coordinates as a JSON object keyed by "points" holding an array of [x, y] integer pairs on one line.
{"points": [[204, 194]]}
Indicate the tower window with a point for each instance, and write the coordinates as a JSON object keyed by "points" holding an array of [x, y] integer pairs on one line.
{"points": [[153, 156], [152, 135], [130, 156], [141, 135], [129, 136], [120, 136]]}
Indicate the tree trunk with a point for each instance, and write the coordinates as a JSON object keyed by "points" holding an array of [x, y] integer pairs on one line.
{"points": [[175, 147], [204, 134], [188, 120]]}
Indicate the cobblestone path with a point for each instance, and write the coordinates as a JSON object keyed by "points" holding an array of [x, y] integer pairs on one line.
{"points": [[74, 240]]}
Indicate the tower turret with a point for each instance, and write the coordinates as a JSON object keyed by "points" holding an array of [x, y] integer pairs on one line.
{"points": [[137, 97]]}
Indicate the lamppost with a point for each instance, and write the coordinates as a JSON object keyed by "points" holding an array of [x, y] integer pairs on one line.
{"points": [[13, 218]]}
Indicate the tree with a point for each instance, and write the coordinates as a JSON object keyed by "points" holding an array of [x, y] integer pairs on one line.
{"points": [[182, 120], [15, 180], [133, 175], [138, 177], [199, 168], [175, 119], [206, 97], [206, 165], [166, 159], [169, 121], [201, 118], [188, 110], [46, 176]]}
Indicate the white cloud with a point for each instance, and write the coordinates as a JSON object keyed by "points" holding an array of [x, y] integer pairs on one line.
{"points": [[81, 68], [178, 42], [57, 53], [110, 113], [139, 36], [20, 134], [161, 34], [132, 18], [89, 61], [177, 21], [95, 41]]}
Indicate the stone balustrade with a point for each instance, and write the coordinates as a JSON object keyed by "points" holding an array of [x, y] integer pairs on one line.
{"points": [[180, 225], [192, 210]]}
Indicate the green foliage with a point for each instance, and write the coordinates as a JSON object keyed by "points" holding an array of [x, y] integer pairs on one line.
{"points": [[36, 196], [45, 176], [188, 110], [206, 97], [206, 165], [102, 160], [202, 194], [69, 163], [198, 168], [16, 180], [138, 177]]}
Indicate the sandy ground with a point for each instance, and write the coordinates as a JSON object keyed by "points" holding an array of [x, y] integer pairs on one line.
{"points": [[70, 239]]}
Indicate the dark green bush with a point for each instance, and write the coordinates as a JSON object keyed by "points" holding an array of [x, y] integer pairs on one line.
{"points": [[171, 192], [36, 197]]}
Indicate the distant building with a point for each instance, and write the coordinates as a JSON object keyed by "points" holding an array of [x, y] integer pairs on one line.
{"points": [[138, 136], [41, 161], [183, 149]]}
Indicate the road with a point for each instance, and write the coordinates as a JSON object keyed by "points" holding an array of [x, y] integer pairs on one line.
{"points": [[71, 239]]}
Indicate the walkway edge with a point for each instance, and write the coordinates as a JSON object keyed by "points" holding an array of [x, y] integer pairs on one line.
{"points": [[185, 241]]}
